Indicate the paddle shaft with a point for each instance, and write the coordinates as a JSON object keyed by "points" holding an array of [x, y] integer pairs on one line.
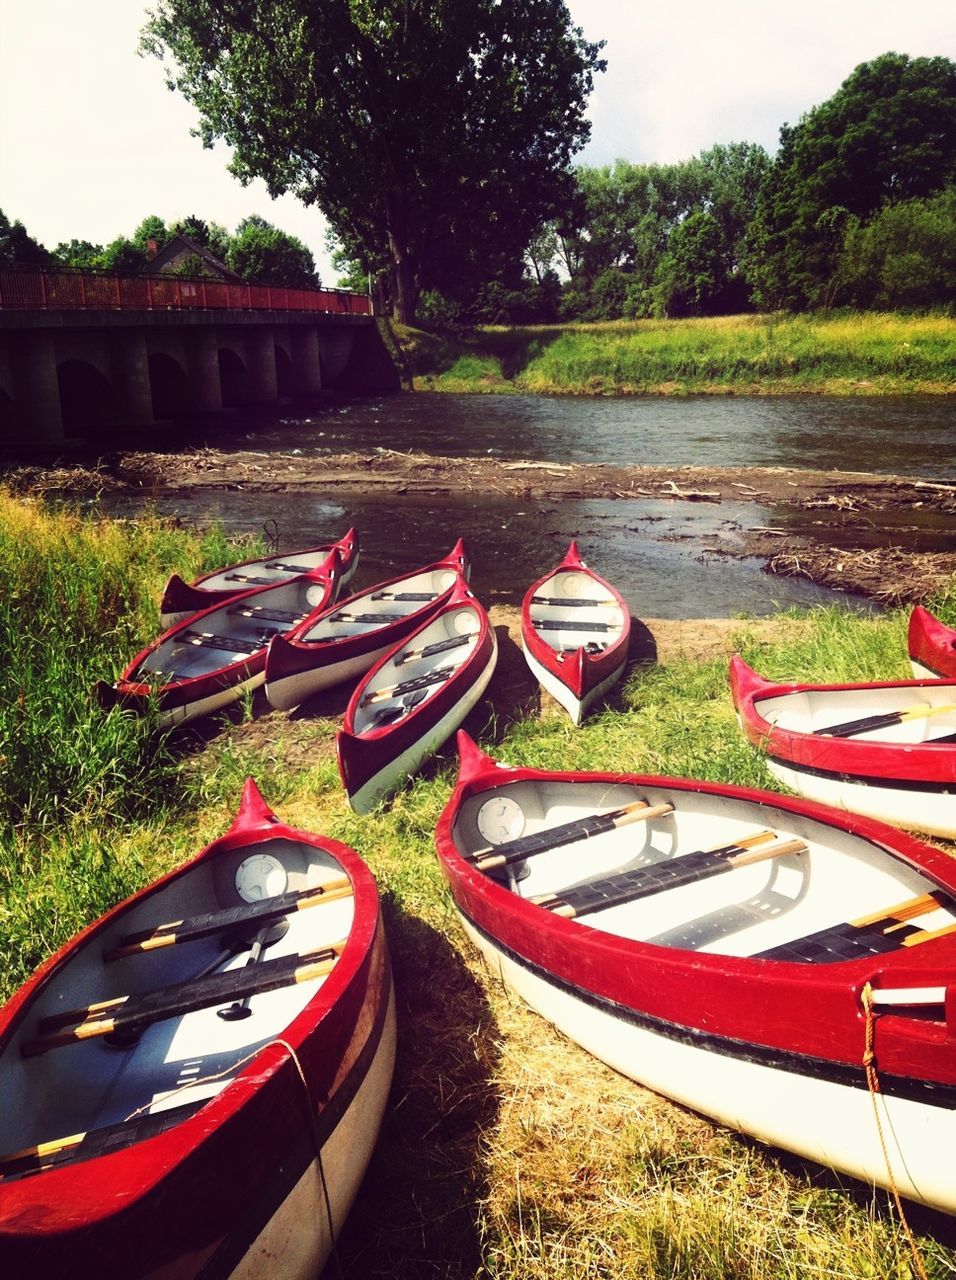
{"points": [[174, 931], [865, 724], [440, 646], [154, 1006], [700, 865], [517, 850], [438, 676]]}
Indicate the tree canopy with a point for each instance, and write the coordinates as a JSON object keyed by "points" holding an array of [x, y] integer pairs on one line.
{"points": [[888, 135], [429, 135]]}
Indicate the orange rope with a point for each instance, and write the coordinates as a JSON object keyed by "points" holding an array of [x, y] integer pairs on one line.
{"points": [[873, 1083]]}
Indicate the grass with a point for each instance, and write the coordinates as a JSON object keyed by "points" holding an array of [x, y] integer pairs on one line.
{"points": [[506, 1152], [843, 353]]}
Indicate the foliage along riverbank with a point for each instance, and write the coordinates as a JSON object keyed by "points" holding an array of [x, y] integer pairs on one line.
{"points": [[506, 1151], [852, 353]]}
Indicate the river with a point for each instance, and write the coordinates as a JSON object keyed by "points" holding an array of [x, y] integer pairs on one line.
{"points": [[664, 556]]}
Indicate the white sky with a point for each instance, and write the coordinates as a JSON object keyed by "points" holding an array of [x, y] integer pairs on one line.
{"points": [[91, 141]]}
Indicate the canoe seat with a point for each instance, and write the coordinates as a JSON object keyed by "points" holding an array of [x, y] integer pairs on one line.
{"points": [[268, 615], [410, 597], [551, 624], [873, 935], [572, 602], [376, 619], [132, 1014], [95, 1142], [229, 644], [247, 577], [205, 926], [289, 568]]}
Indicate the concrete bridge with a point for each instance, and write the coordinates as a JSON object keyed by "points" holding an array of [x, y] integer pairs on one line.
{"points": [[83, 352]]}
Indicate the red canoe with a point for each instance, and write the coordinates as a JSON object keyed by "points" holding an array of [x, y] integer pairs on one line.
{"points": [[182, 599], [215, 656], [344, 642], [194, 1084], [414, 699], [576, 629], [932, 646], [886, 750], [727, 947]]}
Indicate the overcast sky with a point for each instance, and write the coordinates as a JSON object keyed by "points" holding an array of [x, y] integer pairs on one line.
{"points": [[91, 141]]}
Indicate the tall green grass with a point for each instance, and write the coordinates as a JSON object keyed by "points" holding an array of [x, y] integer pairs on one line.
{"points": [[850, 353]]}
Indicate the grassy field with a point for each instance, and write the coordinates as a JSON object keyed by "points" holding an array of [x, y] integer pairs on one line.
{"points": [[842, 354], [507, 1153]]}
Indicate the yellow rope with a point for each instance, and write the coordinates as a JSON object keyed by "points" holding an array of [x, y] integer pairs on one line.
{"points": [[873, 1083], [316, 1140]]}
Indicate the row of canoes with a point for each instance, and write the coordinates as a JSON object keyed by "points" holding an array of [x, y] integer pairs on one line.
{"points": [[195, 1083], [419, 646]]}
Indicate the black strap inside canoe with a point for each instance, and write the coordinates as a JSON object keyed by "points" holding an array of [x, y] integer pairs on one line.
{"points": [[268, 615], [440, 646], [572, 602], [245, 577], [410, 597], [551, 624], [137, 1012], [214, 922], [96, 1142], [290, 568], [228, 644], [375, 618]]}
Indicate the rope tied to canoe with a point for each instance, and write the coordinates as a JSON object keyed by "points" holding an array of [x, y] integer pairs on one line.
{"points": [[873, 1084], [278, 1042]]}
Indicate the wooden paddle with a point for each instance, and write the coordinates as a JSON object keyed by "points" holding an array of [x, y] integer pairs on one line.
{"points": [[424, 681], [174, 931], [865, 724], [674, 873], [572, 602], [453, 642], [137, 1012], [511, 851]]}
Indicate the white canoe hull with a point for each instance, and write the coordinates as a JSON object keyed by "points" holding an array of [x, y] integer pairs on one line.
{"points": [[828, 1122], [300, 1233]]}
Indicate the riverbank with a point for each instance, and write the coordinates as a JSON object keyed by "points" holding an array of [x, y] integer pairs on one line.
{"points": [[506, 1150], [853, 354], [819, 525]]}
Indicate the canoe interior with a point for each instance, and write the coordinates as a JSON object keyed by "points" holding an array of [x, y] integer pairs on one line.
{"points": [[279, 568], [811, 711], [592, 627], [240, 620], [743, 912], [340, 622], [463, 623], [90, 1084]]}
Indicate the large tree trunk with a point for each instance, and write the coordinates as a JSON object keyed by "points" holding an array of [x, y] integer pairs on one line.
{"points": [[404, 282]]}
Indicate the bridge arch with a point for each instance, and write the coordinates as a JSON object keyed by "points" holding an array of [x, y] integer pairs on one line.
{"points": [[87, 399], [170, 386], [233, 378]]}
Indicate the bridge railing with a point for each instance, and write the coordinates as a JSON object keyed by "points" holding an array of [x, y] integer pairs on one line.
{"points": [[45, 289]]}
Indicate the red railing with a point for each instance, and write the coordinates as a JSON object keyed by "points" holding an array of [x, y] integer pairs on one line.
{"points": [[32, 289]]}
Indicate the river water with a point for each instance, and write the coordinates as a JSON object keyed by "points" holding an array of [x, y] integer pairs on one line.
{"points": [[663, 555]]}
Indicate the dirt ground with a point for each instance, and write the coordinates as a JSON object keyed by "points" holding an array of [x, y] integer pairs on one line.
{"points": [[829, 504]]}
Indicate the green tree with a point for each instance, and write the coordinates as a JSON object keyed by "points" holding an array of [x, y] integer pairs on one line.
{"points": [[18, 247], [421, 131], [260, 251], [904, 257], [79, 253], [887, 135]]}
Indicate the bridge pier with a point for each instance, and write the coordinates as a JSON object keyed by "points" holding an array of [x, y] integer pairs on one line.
{"points": [[202, 359], [129, 366], [306, 361], [261, 366], [36, 388]]}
